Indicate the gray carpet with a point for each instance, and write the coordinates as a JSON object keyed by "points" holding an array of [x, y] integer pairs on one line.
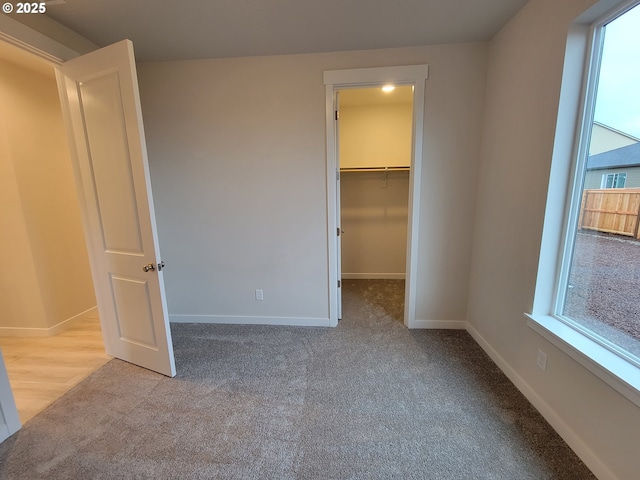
{"points": [[366, 400]]}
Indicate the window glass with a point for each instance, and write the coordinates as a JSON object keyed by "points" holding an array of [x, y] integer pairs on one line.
{"points": [[621, 180], [602, 291]]}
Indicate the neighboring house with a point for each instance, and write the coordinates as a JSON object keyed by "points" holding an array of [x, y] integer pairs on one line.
{"points": [[619, 168], [605, 138]]}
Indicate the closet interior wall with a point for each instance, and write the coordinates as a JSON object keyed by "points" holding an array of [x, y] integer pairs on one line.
{"points": [[375, 138], [45, 277]]}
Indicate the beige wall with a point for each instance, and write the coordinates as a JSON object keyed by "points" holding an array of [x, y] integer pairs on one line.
{"points": [[46, 242], [21, 303], [375, 135], [374, 206], [374, 220], [238, 167], [521, 107]]}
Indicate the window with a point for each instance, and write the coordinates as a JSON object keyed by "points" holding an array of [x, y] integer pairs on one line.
{"points": [[614, 180], [587, 299], [600, 289]]}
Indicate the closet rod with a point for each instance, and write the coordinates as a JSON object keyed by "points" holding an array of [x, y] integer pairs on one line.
{"points": [[375, 169]]}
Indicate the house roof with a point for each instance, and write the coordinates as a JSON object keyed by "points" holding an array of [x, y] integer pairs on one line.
{"points": [[195, 29], [628, 156]]}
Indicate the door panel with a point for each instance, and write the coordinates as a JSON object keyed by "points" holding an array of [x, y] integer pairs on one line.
{"points": [[134, 315], [101, 103], [110, 163]]}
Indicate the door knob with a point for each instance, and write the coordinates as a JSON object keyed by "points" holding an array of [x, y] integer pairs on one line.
{"points": [[150, 267]]}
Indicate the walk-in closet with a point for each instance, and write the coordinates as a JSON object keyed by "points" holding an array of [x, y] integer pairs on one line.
{"points": [[375, 141]]}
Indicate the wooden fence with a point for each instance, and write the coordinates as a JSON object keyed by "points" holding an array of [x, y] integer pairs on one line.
{"points": [[612, 210]]}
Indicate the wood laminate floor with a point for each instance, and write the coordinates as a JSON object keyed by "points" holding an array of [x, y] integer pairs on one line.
{"points": [[42, 369]]}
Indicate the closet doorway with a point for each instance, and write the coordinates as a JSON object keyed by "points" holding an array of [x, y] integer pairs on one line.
{"points": [[337, 82], [374, 154]]}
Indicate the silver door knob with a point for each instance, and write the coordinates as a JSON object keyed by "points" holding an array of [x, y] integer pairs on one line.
{"points": [[150, 267]]}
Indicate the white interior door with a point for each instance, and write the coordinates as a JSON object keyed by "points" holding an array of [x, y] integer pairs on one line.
{"points": [[101, 105]]}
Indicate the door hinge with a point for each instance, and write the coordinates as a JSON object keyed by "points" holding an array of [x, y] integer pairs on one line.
{"points": [[337, 175], [338, 231], [339, 283], [337, 114]]}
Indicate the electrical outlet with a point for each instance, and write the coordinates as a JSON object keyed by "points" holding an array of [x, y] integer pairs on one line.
{"points": [[542, 360], [259, 294]]}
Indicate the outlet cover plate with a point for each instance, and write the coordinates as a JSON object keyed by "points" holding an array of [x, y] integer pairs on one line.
{"points": [[542, 360]]}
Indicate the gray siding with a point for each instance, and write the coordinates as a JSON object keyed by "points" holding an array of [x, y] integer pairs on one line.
{"points": [[593, 177]]}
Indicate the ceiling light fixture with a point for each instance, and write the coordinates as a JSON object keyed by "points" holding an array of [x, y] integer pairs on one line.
{"points": [[388, 88]]}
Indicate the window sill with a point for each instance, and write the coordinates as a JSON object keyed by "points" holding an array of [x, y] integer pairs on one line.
{"points": [[612, 369]]}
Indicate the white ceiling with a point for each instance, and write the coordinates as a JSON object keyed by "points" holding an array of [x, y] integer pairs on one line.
{"points": [[190, 29]]}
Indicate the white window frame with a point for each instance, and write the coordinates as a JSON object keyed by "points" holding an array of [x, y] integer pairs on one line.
{"points": [[583, 54], [614, 180]]}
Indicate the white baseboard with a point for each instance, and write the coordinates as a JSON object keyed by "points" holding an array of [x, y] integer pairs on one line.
{"points": [[238, 320], [50, 331], [597, 466], [68, 323], [373, 276], [439, 324], [23, 332]]}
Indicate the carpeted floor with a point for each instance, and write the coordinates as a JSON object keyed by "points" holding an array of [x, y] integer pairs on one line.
{"points": [[366, 400]]}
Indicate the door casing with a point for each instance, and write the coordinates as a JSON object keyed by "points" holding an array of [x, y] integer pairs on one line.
{"points": [[334, 80]]}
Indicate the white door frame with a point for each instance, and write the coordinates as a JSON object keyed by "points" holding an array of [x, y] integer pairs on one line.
{"points": [[334, 80]]}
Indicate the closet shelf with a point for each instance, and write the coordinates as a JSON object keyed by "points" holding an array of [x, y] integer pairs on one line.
{"points": [[375, 169]]}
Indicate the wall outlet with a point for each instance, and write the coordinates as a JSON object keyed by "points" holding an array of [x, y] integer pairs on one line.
{"points": [[259, 294], [542, 360]]}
